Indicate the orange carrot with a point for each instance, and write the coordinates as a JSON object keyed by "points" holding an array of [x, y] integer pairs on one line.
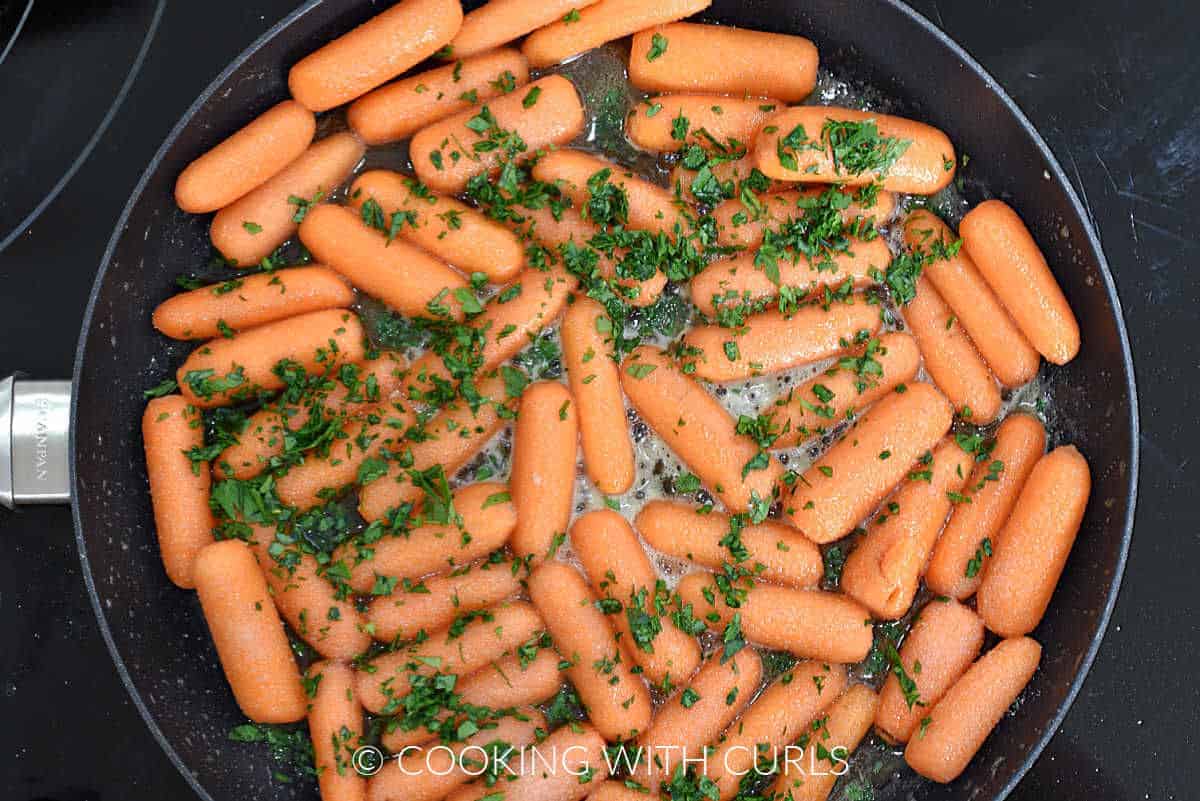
{"points": [[722, 118], [545, 441], [499, 22], [335, 725], [603, 22], [827, 749], [246, 159], [576, 765], [739, 224]]}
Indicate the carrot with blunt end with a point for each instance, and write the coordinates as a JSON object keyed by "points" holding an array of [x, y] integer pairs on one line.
{"points": [[400, 109], [374, 384], [252, 227], [967, 713], [545, 441], [567, 766], [850, 385], [820, 144], [884, 570], [453, 231], [451, 151], [773, 341], [956, 567], [846, 722], [618, 791], [499, 22], [692, 719], [335, 726], [1013, 265], [739, 224], [482, 521], [603, 22], [224, 371], [773, 551], [595, 382], [509, 321], [361, 441], [460, 651], [958, 281], [308, 601], [248, 633], [617, 701], [942, 644], [435, 602], [246, 159], [741, 282], [779, 716], [1029, 558], [429, 774], [374, 52], [808, 623], [510, 681], [731, 170], [691, 57], [722, 118], [581, 175], [620, 571], [179, 488], [243, 303], [851, 478], [699, 430], [554, 230], [404, 277], [950, 356], [450, 440]]}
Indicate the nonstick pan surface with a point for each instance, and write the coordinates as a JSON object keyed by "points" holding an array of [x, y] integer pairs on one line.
{"points": [[156, 633]]}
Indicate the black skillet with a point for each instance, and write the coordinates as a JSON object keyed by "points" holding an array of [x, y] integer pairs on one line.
{"points": [[155, 632]]}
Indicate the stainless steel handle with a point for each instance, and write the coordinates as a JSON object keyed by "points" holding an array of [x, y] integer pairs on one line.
{"points": [[34, 429]]}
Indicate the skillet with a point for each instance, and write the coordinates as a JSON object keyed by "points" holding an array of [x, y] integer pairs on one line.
{"points": [[156, 633]]}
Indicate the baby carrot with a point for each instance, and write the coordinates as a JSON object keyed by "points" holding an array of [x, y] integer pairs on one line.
{"points": [[452, 231], [243, 303], [248, 633], [499, 22], [956, 567], [809, 623], [884, 570], [434, 602], [400, 109], [545, 441], [613, 790], [335, 726], [451, 151], [246, 159], [943, 642], [253, 226], [603, 22], [958, 281], [691, 57], [744, 223], [722, 118], [620, 571], [699, 430], [950, 356], [596, 386], [1029, 558], [773, 551], [617, 701], [577, 767], [402, 276], [1014, 266], [780, 715], [849, 386], [179, 488], [773, 341], [963, 719], [852, 477], [812, 144], [375, 52], [827, 747]]}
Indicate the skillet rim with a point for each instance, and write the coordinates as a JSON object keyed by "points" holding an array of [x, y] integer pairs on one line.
{"points": [[1053, 167]]}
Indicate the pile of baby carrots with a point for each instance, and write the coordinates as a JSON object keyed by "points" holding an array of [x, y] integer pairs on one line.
{"points": [[305, 478]]}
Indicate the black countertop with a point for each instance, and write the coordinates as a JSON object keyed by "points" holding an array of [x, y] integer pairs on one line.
{"points": [[1110, 84]]}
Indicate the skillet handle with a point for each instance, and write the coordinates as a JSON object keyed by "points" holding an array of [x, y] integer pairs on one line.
{"points": [[34, 431]]}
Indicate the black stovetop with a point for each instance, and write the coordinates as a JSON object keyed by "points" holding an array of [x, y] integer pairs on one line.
{"points": [[1110, 84]]}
